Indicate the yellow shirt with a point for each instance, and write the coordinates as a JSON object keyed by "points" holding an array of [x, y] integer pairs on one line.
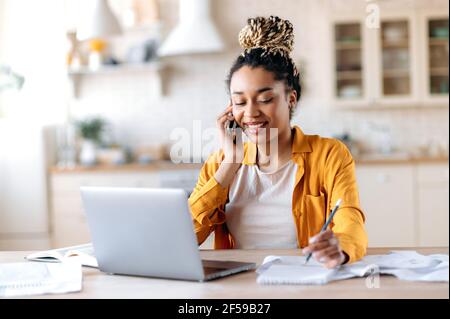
{"points": [[326, 172]]}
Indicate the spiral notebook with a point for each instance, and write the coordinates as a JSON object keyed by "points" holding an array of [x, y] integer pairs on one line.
{"points": [[291, 270], [33, 278]]}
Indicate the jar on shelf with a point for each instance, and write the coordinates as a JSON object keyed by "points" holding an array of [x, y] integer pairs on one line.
{"points": [[96, 53]]}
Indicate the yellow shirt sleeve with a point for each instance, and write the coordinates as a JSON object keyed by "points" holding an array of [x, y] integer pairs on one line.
{"points": [[207, 201], [348, 222]]}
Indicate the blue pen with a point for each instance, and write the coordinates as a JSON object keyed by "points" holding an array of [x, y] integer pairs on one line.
{"points": [[324, 227]]}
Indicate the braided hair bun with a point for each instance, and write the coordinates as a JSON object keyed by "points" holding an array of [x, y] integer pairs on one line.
{"points": [[273, 34], [268, 43]]}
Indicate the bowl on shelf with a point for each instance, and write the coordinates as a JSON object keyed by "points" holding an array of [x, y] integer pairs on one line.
{"points": [[350, 91], [392, 34], [439, 32], [443, 87]]}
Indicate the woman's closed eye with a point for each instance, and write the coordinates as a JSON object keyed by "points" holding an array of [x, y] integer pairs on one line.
{"points": [[267, 100]]}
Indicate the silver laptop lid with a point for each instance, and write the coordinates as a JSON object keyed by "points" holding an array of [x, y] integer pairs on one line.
{"points": [[144, 232]]}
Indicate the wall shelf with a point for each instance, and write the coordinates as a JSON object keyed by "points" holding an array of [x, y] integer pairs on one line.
{"points": [[341, 45], [155, 68]]}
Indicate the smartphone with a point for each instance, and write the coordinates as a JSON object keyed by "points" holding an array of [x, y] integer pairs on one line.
{"points": [[231, 128]]}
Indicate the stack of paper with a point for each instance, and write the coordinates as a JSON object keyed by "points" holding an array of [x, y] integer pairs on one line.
{"points": [[31, 278], [405, 265]]}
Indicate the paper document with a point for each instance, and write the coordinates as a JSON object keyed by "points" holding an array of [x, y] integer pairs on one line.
{"points": [[405, 265], [32, 278]]}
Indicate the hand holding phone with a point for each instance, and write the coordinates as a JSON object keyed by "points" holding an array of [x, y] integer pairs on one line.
{"points": [[232, 147], [230, 135], [231, 129]]}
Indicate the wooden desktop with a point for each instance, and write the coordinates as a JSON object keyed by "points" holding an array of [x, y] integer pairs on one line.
{"points": [[243, 285]]}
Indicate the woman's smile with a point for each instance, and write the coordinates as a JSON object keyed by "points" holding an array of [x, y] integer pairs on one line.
{"points": [[253, 127]]}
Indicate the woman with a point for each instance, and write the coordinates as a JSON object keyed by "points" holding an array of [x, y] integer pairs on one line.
{"points": [[276, 190]]}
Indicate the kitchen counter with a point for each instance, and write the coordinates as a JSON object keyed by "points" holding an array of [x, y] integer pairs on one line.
{"points": [[168, 165], [154, 166], [400, 158]]}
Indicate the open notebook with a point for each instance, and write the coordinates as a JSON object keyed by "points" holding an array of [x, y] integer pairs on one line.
{"points": [[84, 254], [292, 270], [405, 265]]}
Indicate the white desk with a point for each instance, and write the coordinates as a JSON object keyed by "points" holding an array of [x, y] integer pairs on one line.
{"points": [[99, 285]]}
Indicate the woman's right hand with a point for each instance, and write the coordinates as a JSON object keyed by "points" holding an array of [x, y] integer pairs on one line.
{"points": [[233, 152]]}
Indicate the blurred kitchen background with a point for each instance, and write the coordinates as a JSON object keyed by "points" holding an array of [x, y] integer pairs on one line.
{"points": [[91, 92]]}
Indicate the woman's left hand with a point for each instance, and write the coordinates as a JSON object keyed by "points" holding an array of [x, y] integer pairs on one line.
{"points": [[325, 249]]}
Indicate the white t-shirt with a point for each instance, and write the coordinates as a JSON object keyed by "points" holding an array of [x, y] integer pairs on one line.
{"points": [[259, 214]]}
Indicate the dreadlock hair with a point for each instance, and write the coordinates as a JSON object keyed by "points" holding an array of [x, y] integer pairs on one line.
{"points": [[267, 43]]}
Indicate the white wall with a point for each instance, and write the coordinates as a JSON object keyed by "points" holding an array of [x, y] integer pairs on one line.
{"points": [[32, 43]]}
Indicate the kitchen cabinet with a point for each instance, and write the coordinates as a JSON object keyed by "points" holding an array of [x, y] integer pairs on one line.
{"points": [[350, 74], [433, 207], [405, 205], [396, 74], [434, 26], [387, 199], [402, 63], [348, 37]]}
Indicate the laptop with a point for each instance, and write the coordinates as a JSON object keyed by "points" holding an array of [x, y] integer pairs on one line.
{"points": [[148, 232]]}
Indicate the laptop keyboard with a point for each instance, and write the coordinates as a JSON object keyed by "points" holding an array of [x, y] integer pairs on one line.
{"points": [[214, 266], [212, 270]]}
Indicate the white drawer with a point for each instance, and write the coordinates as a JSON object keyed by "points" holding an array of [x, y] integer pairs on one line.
{"points": [[67, 205], [432, 173], [69, 230]]}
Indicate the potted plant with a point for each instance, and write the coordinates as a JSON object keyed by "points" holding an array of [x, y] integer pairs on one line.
{"points": [[90, 130]]}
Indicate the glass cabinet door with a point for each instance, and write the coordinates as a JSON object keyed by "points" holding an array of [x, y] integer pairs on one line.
{"points": [[395, 46], [348, 57], [438, 57]]}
